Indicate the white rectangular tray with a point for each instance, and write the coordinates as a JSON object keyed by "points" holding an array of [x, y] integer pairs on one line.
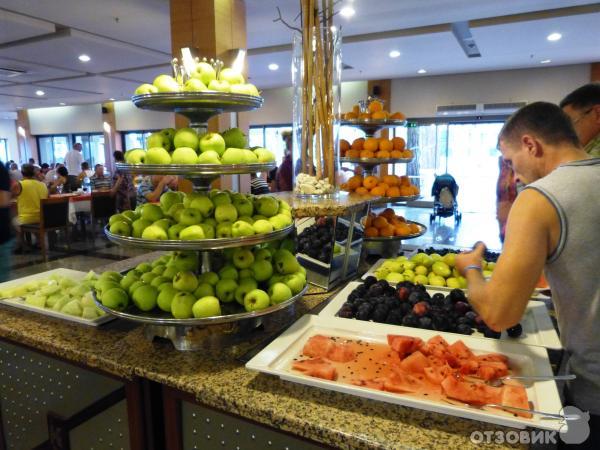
{"points": [[277, 358], [19, 302], [537, 325]]}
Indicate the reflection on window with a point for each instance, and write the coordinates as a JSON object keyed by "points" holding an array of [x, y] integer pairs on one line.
{"points": [[53, 148], [4, 150], [135, 139], [269, 136]]}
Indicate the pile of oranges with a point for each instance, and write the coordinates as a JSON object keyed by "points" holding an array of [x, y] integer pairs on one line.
{"points": [[388, 224], [375, 112], [386, 186], [375, 148]]}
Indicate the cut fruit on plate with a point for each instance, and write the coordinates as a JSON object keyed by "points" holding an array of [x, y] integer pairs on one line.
{"points": [[438, 372]]}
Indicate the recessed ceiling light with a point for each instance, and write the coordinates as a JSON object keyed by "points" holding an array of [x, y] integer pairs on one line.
{"points": [[273, 66], [62, 103], [421, 71], [39, 93], [84, 58], [19, 107], [347, 11], [545, 61], [554, 36], [394, 54], [112, 99]]}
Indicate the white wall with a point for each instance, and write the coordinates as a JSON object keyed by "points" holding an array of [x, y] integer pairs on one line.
{"points": [[419, 97], [130, 118], [66, 119], [8, 130]]}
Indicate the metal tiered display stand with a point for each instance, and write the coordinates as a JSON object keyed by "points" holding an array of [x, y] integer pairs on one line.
{"points": [[189, 334]]}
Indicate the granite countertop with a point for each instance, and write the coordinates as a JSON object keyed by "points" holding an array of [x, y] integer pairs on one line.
{"points": [[216, 378], [338, 205]]}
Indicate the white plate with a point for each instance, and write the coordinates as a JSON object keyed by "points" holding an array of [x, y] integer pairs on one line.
{"points": [[277, 358], [19, 302], [537, 325]]}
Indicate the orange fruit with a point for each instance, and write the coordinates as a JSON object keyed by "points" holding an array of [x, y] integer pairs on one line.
{"points": [[399, 143], [382, 184], [367, 154], [380, 115], [402, 230], [405, 191], [407, 154], [388, 213], [370, 182], [414, 228], [344, 187], [404, 181], [392, 191], [351, 116], [356, 109], [382, 154], [391, 180], [369, 221], [344, 145], [386, 145], [375, 106], [371, 232], [362, 191], [353, 154], [357, 144], [364, 116], [355, 182], [379, 191], [371, 144], [396, 154], [398, 116], [387, 231], [380, 222]]}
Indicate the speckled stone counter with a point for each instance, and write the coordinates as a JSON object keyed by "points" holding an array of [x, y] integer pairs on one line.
{"points": [[217, 379], [338, 205]]}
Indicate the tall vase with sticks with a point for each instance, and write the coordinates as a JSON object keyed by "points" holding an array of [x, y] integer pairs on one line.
{"points": [[316, 76]]}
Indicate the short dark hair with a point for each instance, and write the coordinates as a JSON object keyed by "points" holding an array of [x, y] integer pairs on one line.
{"points": [[85, 165], [118, 155], [583, 97], [62, 171], [28, 170], [98, 165], [542, 119], [45, 166]]}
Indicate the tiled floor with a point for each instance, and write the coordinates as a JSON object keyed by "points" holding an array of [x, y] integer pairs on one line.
{"points": [[88, 255]]}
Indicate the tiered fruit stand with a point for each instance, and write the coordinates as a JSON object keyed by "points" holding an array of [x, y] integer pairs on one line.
{"points": [[190, 334], [381, 245]]}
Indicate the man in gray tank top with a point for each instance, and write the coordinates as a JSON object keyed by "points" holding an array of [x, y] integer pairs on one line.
{"points": [[552, 226]]}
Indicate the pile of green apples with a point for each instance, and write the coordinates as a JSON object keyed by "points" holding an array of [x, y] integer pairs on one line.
{"points": [[60, 294], [431, 270], [251, 279], [204, 77], [185, 146], [198, 215]]}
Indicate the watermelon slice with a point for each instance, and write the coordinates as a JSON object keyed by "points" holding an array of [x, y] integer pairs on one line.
{"points": [[460, 350], [415, 363], [491, 369], [404, 345], [493, 357], [316, 367], [371, 384], [436, 373], [472, 393], [403, 382], [469, 366], [515, 396], [341, 353], [318, 345]]}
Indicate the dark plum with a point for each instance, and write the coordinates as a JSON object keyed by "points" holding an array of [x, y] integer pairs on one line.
{"points": [[461, 308], [489, 333], [346, 314], [370, 281], [464, 329], [410, 321], [426, 323], [394, 317], [457, 295], [515, 331]]}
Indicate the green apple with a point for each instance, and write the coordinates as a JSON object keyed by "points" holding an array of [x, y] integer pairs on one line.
{"points": [[192, 233], [190, 216], [449, 259], [420, 279], [121, 228], [249, 157], [170, 198], [228, 271], [244, 88], [169, 132], [208, 306], [257, 217], [154, 233], [224, 230], [157, 155], [233, 156], [437, 280], [288, 244], [246, 219], [243, 206], [145, 88], [262, 270], [115, 298], [143, 267], [256, 299], [279, 293], [185, 261], [436, 257], [210, 221], [194, 85], [166, 284], [165, 223], [242, 258], [156, 282], [280, 221], [209, 277], [421, 270], [185, 281], [184, 155], [212, 142], [118, 218], [204, 290], [241, 229], [128, 280], [225, 290], [135, 286], [186, 137], [234, 137], [209, 230], [181, 305], [148, 277], [264, 155], [145, 297], [441, 268], [285, 262], [103, 286], [130, 215], [152, 212], [220, 198], [262, 227], [245, 273], [111, 275], [266, 206], [219, 86], [203, 204], [170, 272], [263, 254], [204, 72], [174, 231], [166, 83], [158, 267], [453, 283], [158, 140], [232, 76], [226, 213], [165, 297], [245, 285], [209, 157], [175, 211]]}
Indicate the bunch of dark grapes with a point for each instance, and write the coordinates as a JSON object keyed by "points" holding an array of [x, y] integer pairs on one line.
{"points": [[317, 242]]}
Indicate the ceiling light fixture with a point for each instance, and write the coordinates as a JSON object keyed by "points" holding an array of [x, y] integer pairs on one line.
{"points": [[84, 58], [40, 93], [421, 71], [273, 66], [394, 54], [347, 11], [545, 61], [112, 99], [62, 103], [554, 36]]}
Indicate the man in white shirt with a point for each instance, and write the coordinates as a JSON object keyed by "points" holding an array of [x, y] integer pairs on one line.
{"points": [[73, 160], [15, 173]]}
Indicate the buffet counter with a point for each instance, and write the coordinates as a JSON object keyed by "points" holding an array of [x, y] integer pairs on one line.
{"points": [[296, 416]]}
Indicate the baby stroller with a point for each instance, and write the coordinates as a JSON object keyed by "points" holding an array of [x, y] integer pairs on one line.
{"points": [[444, 191]]}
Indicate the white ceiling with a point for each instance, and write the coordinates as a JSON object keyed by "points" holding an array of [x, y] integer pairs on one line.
{"points": [[128, 41]]}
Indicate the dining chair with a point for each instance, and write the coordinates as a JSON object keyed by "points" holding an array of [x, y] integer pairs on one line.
{"points": [[54, 215]]}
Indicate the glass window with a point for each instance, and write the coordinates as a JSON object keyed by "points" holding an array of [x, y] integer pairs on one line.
{"points": [[53, 148], [4, 150], [351, 133], [269, 136], [256, 137], [135, 139], [92, 147]]}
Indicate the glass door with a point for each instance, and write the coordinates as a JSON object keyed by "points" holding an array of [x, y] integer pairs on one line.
{"points": [[92, 147], [53, 148]]}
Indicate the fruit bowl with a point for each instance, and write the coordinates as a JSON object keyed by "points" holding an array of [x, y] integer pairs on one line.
{"points": [[212, 102], [195, 170], [409, 198], [397, 238], [197, 245], [375, 161]]}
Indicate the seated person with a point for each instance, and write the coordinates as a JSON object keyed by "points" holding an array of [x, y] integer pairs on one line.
{"points": [[258, 185], [85, 172], [60, 184], [99, 181], [152, 187], [15, 173], [29, 193]]}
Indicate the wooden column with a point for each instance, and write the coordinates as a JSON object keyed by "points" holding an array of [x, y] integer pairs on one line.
{"points": [[384, 88], [595, 71], [27, 144]]}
